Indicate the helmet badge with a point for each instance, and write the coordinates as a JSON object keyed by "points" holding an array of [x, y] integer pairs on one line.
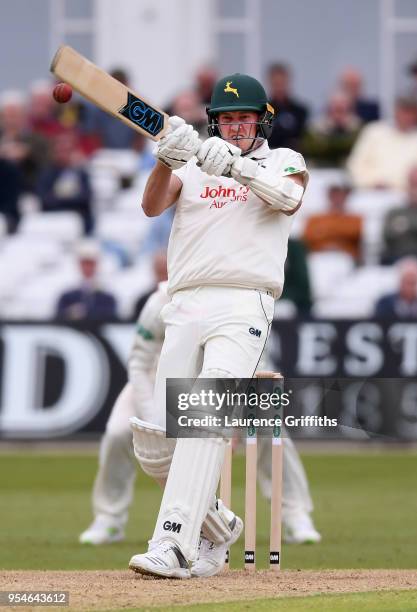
{"points": [[231, 89]]}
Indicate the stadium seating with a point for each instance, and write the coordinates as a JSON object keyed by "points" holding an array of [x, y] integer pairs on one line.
{"points": [[355, 294], [66, 227], [38, 263], [124, 228]]}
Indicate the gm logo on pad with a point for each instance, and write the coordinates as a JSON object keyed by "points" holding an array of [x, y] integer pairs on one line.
{"points": [[175, 527], [145, 116]]}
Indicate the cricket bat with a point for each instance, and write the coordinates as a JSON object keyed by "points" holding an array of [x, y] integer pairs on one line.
{"points": [[109, 94]]}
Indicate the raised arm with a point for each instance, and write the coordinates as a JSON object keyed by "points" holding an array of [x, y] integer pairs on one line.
{"points": [[174, 151], [161, 191], [298, 179], [283, 192]]}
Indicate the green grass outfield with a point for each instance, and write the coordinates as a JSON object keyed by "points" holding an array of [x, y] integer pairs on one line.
{"points": [[391, 601], [366, 508]]}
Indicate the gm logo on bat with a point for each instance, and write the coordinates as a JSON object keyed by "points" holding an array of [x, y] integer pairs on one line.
{"points": [[146, 117]]}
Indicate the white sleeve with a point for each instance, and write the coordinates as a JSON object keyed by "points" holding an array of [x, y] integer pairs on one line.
{"points": [[294, 164], [270, 180], [150, 332]]}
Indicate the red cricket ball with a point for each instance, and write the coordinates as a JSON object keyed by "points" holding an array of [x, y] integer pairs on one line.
{"points": [[62, 92]]}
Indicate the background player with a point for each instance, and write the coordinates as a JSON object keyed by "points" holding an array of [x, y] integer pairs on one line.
{"points": [[113, 487]]}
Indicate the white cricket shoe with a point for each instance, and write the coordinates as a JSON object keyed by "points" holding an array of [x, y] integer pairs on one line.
{"points": [[164, 560], [211, 556], [103, 530], [299, 529]]}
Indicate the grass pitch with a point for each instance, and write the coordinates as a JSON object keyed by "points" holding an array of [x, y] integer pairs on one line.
{"points": [[392, 601], [365, 509]]}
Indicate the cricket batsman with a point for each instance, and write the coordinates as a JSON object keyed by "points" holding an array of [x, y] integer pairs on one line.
{"points": [[113, 487], [235, 199]]}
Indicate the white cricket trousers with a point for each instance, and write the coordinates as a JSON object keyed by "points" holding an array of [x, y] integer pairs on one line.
{"points": [[210, 331], [113, 487]]}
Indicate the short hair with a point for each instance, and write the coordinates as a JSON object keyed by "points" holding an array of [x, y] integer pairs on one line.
{"points": [[88, 249], [412, 68], [12, 97], [340, 180], [345, 187], [278, 67], [120, 75], [406, 101]]}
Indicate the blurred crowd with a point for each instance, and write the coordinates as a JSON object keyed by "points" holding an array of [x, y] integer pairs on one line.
{"points": [[75, 245]]}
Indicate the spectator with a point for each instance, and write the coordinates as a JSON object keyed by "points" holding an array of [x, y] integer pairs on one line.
{"points": [[28, 151], [297, 282], [160, 275], [109, 132], [187, 106], [65, 185], [400, 226], [330, 138], [191, 104], [290, 115], [384, 153], [10, 188], [351, 83], [73, 117], [205, 80], [42, 119], [336, 230], [403, 304], [87, 302]]}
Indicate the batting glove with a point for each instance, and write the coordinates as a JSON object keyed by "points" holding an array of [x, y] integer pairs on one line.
{"points": [[216, 156], [179, 144]]}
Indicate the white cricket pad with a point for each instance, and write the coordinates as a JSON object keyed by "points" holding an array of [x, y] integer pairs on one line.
{"points": [[152, 449], [217, 524], [190, 488]]}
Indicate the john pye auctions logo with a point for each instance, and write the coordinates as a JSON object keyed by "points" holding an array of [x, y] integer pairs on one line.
{"points": [[221, 196]]}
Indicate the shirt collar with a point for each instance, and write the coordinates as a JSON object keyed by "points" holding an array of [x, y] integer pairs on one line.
{"points": [[261, 152]]}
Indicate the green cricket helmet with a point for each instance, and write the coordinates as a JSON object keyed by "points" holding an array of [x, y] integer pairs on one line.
{"points": [[240, 92]]}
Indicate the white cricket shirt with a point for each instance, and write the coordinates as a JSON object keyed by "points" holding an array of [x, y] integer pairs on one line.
{"points": [[223, 234]]}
